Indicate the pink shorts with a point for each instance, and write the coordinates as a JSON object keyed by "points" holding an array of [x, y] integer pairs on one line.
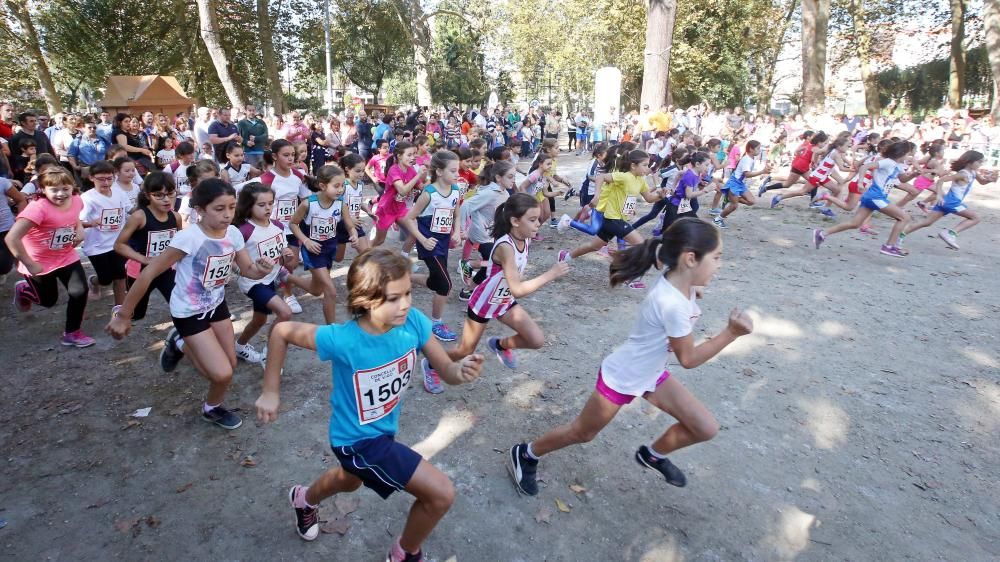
{"points": [[618, 398], [922, 183], [387, 214]]}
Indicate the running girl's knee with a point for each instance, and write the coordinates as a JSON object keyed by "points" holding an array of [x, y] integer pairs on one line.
{"points": [[581, 434], [533, 339], [441, 500], [221, 373], [704, 429]]}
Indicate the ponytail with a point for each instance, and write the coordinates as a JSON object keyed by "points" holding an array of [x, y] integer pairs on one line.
{"points": [[634, 262]]}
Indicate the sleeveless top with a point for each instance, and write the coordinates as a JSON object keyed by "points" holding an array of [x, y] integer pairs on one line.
{"points": [[492, 298]]}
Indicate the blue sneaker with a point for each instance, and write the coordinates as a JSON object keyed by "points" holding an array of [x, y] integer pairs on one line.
{"points": [[719, 222], [817, 204], [775, 201], [442, 332], [715, 212], [432, 382], [826, 212], [506, 356], [763, 185]]}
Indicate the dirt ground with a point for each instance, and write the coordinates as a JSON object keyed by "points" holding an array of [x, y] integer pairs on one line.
{"points": [[859, 422]]}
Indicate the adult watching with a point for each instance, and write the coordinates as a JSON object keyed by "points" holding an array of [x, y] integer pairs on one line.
{"points": [[221, 133], [253, 131]]}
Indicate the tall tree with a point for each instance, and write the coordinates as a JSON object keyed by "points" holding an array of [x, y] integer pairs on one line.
{"points": [[29, 39], [767, 48], [863, 39], [956, 73], [211, 36], [271, 72], [992, 21], [815, 21], [660, 16]]}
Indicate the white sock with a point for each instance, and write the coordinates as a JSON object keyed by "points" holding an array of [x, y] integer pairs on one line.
{"points": [[653, 452], [436, 321], [530, 453], [180, 344], [206, 407]]}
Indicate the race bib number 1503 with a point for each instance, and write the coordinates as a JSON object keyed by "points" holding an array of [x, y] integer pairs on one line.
{"points": [[377, 390]]}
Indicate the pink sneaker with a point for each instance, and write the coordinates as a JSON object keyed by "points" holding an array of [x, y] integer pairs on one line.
{"points": [[77, 339], [866, 229], [636, 284], [892, 251], [23, 294], [603, 252]]}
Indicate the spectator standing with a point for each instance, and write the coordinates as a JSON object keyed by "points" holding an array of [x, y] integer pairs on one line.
{"points": [[253, 130], [222, 132], [29, 130]]}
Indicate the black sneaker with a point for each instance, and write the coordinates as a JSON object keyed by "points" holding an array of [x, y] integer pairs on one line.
{"points": [[306, 519], [669, 471], [465, 294], [222, 418], [522, 469], [170, 356]]}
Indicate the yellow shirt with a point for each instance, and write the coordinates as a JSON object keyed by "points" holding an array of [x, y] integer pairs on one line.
{"points": [[620, 196], [660, 121]]}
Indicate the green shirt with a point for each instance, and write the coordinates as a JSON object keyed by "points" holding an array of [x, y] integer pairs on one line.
{"points": [[255, 128]]}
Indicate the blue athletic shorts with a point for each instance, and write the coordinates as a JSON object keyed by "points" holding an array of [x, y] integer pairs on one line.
{"points": [[261, 294], [343, 237], [734, 186], [328, 250], [381, 463], [874, 203], [949, 210]]}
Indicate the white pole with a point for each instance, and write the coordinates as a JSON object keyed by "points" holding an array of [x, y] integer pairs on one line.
{"points": [[329, 74]]}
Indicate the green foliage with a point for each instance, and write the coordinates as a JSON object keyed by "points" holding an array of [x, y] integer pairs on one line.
{"points": [[401, 90], [458, 72], [924, 88]]}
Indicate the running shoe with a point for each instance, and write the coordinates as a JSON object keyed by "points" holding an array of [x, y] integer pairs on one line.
{"points": [[636, 284], [442, 332], [669, 471], [720, 222], [248, 353], [465, 294], [77, 339], [923, 207], [867, 229], [950, 238], [432, 382], [397, 554], [826, 212], [564, 223], [522, 469], [657, 232], [553, 222], [306, 518], [892, 251], [763, 185], [171, 355], [775, 201], [282, 277], [506, 356], [818, 237], [293, 303], [603, 252], [95, 288], [715, 212], [22, 298], [465, 271], [222, 418], [564, 255], [569, 193]]}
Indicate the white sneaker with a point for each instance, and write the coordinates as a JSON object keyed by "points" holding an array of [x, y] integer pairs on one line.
{"points": [[564, 223], [248, 353], [949, 238], [95, 288], [293, 303]]}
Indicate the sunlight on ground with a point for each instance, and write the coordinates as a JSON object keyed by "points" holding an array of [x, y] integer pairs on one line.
{"points": [[811, 484], [827, 422], [666, 551], [451, 425], [764, 327], [969, 311], [982, 358], [832, 328], [986, 409], [524, 394], [782, 242], [791, 535]]}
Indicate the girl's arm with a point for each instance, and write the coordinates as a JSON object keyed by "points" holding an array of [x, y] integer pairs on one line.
{"points": [[295, 226], [410, 221], [16, 245], [464, 370], [298, 334], [456, 223], [523, 186], [765, 170], [79, 233], [254, 173], [20, 201], [121, 322], [690, 355], [984, 177], [405, 188], [370, 170], [135, 221], [504, 256], [349, 224], [598, 183], [253, 269]]}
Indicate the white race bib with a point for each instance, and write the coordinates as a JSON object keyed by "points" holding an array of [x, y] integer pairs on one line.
{"points": [[354, 205], [61, 237], [684, 206], [272, 247], [628, 208], [157, 241], [501, 295], [284, 209], [322, 229], [442, 220], [463, 188], [217, 270], [111, 220], [378, 390]]}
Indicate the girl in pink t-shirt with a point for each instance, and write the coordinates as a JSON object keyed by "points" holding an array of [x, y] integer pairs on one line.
{"points": [[44, 240], [402, 180]]}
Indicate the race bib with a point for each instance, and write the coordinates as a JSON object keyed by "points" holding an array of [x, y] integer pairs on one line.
{"points": [[442, 220], [501, 295], [463, 188], [284, 209], [157, 241], [684, 206], [272, 247], [217, 270], [61, 237], [354, 206], [377, 390], [628, 208], [111, 220], [322, 229]]}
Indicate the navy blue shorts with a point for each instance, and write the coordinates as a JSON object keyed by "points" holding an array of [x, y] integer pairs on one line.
{"points": [[323, 259], [343, 237], [381, 463], [292, 240], [261, 294]]}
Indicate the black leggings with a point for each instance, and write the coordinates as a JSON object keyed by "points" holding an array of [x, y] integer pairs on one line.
{"points": [[653, 213], [6, 258], [438, 279], [673, 215], [72, 277], [571, 142], [164, 284], [552, 206], [484, 252]]}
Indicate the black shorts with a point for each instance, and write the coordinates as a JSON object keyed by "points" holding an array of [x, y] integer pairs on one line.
{"points": [[109, 266], [292, 240], [480, 320], [438, 279], [381, 463], [614, 228], [199, 323]]}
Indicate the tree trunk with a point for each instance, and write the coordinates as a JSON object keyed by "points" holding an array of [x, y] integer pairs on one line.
{"points": [[29, 37], [660, 16], [211, 35], [815, 19], [992, 18], [270, 61], [768, 61], [956, 74], [864, 50]]}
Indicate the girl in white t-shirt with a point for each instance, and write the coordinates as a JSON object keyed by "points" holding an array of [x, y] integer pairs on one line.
{"points": [[204, 254], [237, 172], [125, 176], [690, 252]]}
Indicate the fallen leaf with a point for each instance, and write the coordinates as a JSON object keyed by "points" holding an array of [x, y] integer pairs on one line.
{"points": [[347, 504], [123, 525], [747, 371], [131, 423], [577, 488], [544, 515], [249, 462], [185, 488], [562, 506], [338, 525], [99, 503]]}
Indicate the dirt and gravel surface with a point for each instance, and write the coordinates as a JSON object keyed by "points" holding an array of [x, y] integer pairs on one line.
{"points": [[859, 422]]}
